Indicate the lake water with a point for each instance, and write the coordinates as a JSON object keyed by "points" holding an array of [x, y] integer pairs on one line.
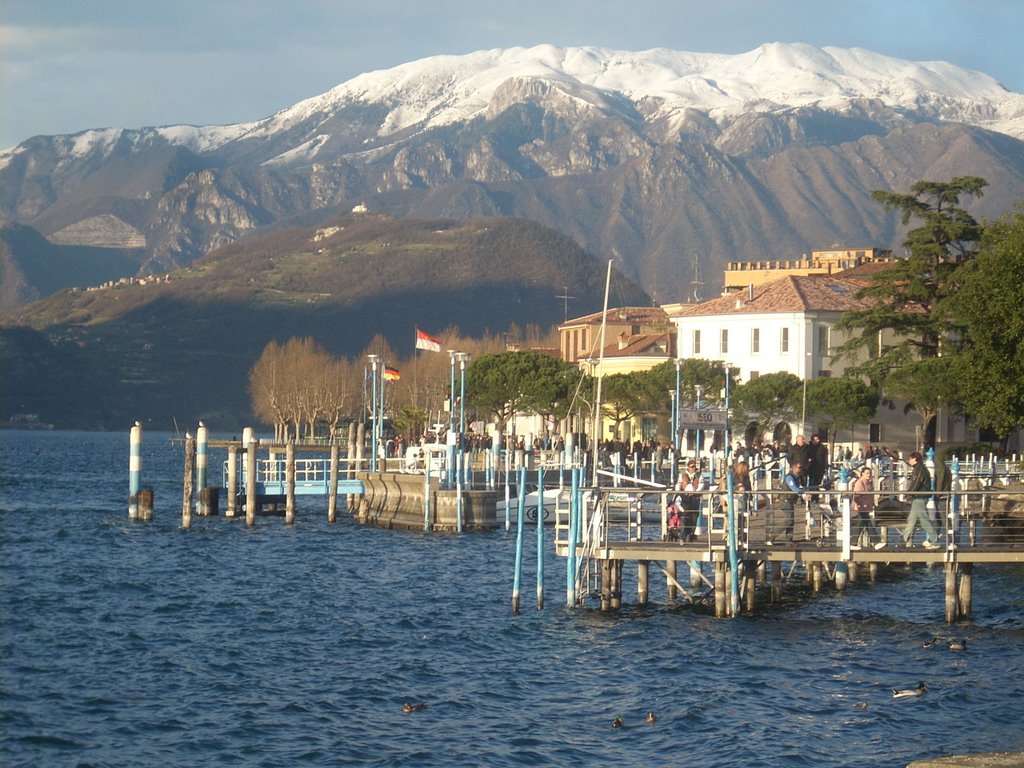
{"points": [[129, 643]]}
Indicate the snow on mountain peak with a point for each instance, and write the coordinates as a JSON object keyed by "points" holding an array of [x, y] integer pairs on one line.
{"points": [[444, 89]]}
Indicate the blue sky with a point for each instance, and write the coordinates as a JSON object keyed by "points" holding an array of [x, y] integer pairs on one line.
{"points": [[68, 65]]}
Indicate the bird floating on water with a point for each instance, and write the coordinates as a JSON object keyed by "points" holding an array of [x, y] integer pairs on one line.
{"points": [[618, 722], [907, 693], [958, 645], [930, 643], [409, 708], [652, 718], [861, 705]]}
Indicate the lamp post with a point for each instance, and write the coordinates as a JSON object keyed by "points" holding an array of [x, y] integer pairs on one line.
{"points": [[449, 474], [462, 357], [374, 361], [676, 442], [700, 391]]}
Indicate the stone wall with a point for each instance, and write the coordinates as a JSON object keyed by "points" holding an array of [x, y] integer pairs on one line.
{"points": [[397, 500]]}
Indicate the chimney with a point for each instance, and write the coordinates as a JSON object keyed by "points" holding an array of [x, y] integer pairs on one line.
{"points": [[623, 340], [750, 291]]}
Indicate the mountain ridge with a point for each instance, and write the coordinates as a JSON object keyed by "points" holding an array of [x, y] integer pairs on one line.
{"points": [[671, 162]]}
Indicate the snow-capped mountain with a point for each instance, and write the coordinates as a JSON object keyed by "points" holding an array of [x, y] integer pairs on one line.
{"points": [[652, 157]]}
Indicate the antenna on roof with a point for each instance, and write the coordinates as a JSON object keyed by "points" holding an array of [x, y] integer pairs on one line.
{"points": [[564, 296], [696, 282]]}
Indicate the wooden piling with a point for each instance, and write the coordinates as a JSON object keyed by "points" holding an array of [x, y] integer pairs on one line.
{"points": [[964, 593], [616, 574], [872, 572], [190, 468], [842, 576], [777, 582], [145, 498], [951, 596], [332, 501], [232, 500], [642, 574], [721, 594], [750, 586], [250, 483], [851, 568], [289, 483], [696, 578], [606, 585], [816, 576], [671, 575]]}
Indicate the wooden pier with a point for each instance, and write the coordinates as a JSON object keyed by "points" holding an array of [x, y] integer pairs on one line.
{"points": [[821, 550]]}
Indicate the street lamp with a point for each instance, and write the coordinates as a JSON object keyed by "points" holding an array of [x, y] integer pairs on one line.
{"points": [[374, 361], [452, 356], [700, 391], [463, 359], [676, 442]]}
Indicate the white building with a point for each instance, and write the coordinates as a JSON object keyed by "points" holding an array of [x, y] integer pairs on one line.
{"points": [[788, 325]]}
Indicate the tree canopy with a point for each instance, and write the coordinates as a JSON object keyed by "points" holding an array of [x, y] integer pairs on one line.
{"points": [[505, 383], [908, 297], [988, 303]]}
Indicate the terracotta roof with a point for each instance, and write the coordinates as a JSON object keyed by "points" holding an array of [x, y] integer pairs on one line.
{"points": [[794, 293], [643, 345], [647, 315]]}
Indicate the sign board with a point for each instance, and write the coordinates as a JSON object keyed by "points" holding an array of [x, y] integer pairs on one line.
{"points": [[705, 418]]}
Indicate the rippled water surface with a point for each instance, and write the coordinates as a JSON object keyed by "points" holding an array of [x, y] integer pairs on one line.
{"points": [[131, 643]]}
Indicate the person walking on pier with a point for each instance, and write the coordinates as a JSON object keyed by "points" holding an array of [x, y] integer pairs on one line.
{"points": [[920, 482], [863, 504], [792, 490]]}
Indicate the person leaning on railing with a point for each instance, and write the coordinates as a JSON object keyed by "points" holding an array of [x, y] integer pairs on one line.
{"points": [[791, 490]]}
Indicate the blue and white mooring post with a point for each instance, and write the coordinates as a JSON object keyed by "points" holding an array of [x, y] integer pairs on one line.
{"points": [[134, 470]]}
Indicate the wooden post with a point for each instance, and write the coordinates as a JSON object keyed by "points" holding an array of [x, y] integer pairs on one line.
{"points": [[966, 577], [642, 573], [872, 572], [671, 574], [250, 483], [360, 441], [750, 585], [776, 581], [851, 568], [616, 573], [695, 574], [289, 483], [842, 575], [190, 467], [332, 501], [146, 504], [816, 576], [232, 501], [951, 605], [721, 596], [606, 585]]}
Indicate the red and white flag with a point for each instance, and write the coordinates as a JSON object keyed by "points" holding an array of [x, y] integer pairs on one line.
{"points": [[426, 341]]}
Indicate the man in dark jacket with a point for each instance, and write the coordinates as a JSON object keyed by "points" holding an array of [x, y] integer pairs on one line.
{"points": [[920, 482], [800, 452], [790, 491], [818, 455]]}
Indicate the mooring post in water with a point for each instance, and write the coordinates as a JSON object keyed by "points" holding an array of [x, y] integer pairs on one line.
{"points": [[426, 495], [517, 578], [134, 470], [952, 614], [289, 482], [186, 497], [606, 585], [232, 501], [964, 595], [721, 569], [250, 480], [570, 560], [842, 575], [541, 511], [332, 500], [202, 439], [616, 574], [777, 582], [671, 572], [642, 573]]}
